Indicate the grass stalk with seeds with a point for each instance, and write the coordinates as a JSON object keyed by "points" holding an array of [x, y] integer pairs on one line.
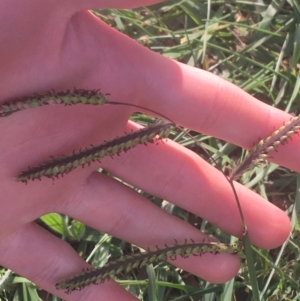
{"points": [[260, 152], [128, 263], [67, 98], [61, 165]]}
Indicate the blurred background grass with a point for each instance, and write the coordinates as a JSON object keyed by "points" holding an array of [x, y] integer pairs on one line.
{"points": [[255, 45]]}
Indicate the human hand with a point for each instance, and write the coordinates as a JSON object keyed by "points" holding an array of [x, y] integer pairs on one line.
{"points": [[58, 46]]}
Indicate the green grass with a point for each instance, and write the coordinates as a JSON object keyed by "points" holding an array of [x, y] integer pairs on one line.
{"points": [[257, 47]]}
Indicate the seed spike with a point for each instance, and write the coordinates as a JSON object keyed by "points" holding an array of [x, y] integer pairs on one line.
{"points": [[260, 152], [68, 98], [63, 164], [128, 263]]}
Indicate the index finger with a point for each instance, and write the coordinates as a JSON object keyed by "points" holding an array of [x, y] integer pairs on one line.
{"points": [[204, 102]]}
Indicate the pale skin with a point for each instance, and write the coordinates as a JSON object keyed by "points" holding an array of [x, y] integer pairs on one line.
{"points": [[58, 45]]}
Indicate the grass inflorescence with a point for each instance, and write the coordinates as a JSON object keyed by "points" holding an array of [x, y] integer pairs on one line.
{"points": [[68, 98], [260, 152], [61, 165], [126, 264]]}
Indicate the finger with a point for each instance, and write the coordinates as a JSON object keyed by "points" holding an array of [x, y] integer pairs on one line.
{"points": [[122, 212], [206, 103], [176, 174], [198, 99], [44, 259]]}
